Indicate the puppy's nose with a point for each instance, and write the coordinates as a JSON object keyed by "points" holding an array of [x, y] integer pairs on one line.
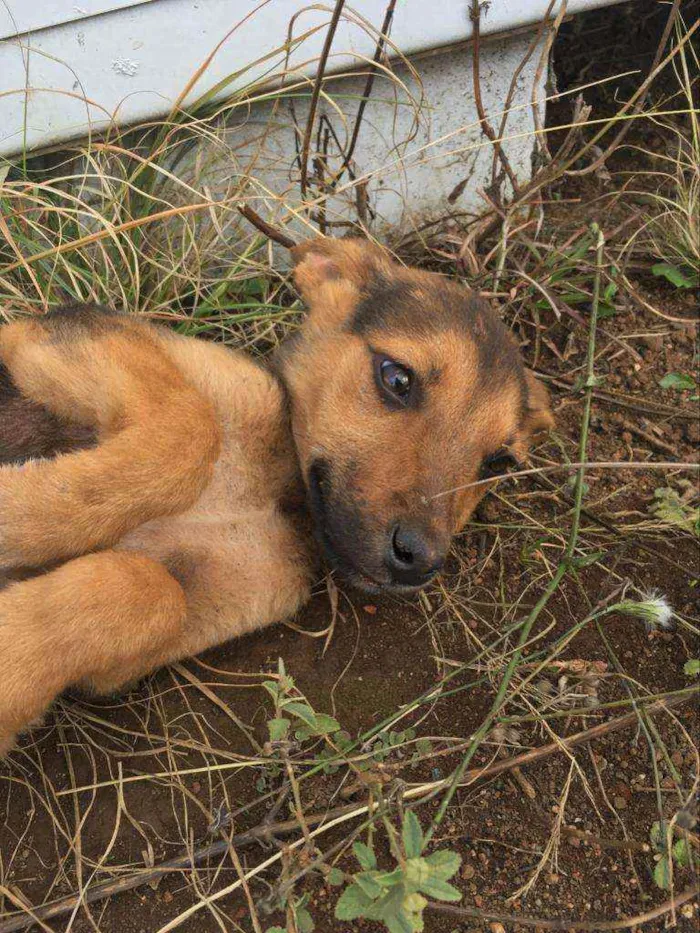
{"points": [[413, 555]]}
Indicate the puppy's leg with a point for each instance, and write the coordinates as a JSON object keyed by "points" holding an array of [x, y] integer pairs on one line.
{"points": [[103, 619], [157, 436]]}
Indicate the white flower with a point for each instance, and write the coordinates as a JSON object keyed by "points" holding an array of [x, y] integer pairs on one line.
{"points": [[652, 608]]}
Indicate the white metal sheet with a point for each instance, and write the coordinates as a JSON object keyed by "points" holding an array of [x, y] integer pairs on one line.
{"points": [[131, 63], [20, 16]]}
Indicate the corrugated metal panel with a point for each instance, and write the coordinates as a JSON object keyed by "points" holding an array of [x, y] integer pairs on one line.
{"points": [[17, 18], [130, 64]]}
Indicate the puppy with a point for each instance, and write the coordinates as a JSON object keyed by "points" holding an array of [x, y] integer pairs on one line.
{"points": [[176, 494]]}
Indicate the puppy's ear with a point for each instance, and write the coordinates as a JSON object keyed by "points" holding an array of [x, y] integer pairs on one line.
{"points": [[538, 414], [331, 274]]}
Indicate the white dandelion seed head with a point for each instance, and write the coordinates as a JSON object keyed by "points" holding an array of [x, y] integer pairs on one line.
{"points": [[653, 609]]}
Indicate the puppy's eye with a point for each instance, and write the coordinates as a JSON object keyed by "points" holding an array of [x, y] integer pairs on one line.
{"points": [[394, 380], [497, 464]]}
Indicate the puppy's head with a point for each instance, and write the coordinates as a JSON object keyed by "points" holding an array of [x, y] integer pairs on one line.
{"points": [[405, 388]]}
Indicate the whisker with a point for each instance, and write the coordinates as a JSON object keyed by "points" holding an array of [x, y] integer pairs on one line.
{"points": [[586, 464]]}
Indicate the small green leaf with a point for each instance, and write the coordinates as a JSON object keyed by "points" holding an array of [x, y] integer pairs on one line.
{"points": [[353, 903], [681, 853], [365, 856], [305, 922], [587, 382], [662, 874], [414, 903], [417, 871], [367, 881], [272, 688], [440, 890], [335, 877], [326, 725], [286, 684], [444, 864], [673, 275], [389, 879], [412, 835], [424, 747], [278, 729], [658, 834], [671, 507], [691, 668], [302, 711], [401, 922], [343, 740], [586, 560], [390, 910], [679, 381], [303, 733]]}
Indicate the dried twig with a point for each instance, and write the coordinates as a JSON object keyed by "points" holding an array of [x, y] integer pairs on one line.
{"points": [[486, 128], [378, 52], [565, 158], [189, 859], [593, 840], [322, 62], [646, 86], [595, 926], [628, 401], [581, 464], [272, 233], [187, 675], [508, 102], [656, 442]]}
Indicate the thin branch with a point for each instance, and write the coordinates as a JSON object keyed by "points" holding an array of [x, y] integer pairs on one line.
{"points": [[588, 399], [378, 52], [621, 845], [604, 156], [265, 831], [564, 159], [323, 60], [272, 233], [537, 37], [486, 128], [582, 464], [595, 926]]}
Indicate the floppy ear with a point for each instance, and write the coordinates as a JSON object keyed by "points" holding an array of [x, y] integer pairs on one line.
{"points": [[538, 415], [330, 274]]}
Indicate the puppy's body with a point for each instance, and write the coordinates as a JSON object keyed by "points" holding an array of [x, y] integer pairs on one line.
{"points": [[192, 489], [242, 552]]}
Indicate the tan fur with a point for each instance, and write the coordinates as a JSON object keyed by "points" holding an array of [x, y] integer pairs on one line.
{"points": [[100, 620], [158, 440], [197, 480]]}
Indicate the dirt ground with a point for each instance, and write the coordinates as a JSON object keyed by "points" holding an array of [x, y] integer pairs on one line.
{"points": [[55, 823]]}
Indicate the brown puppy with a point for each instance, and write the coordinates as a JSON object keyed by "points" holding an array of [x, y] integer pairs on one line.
{"points": [[191, 489]]}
